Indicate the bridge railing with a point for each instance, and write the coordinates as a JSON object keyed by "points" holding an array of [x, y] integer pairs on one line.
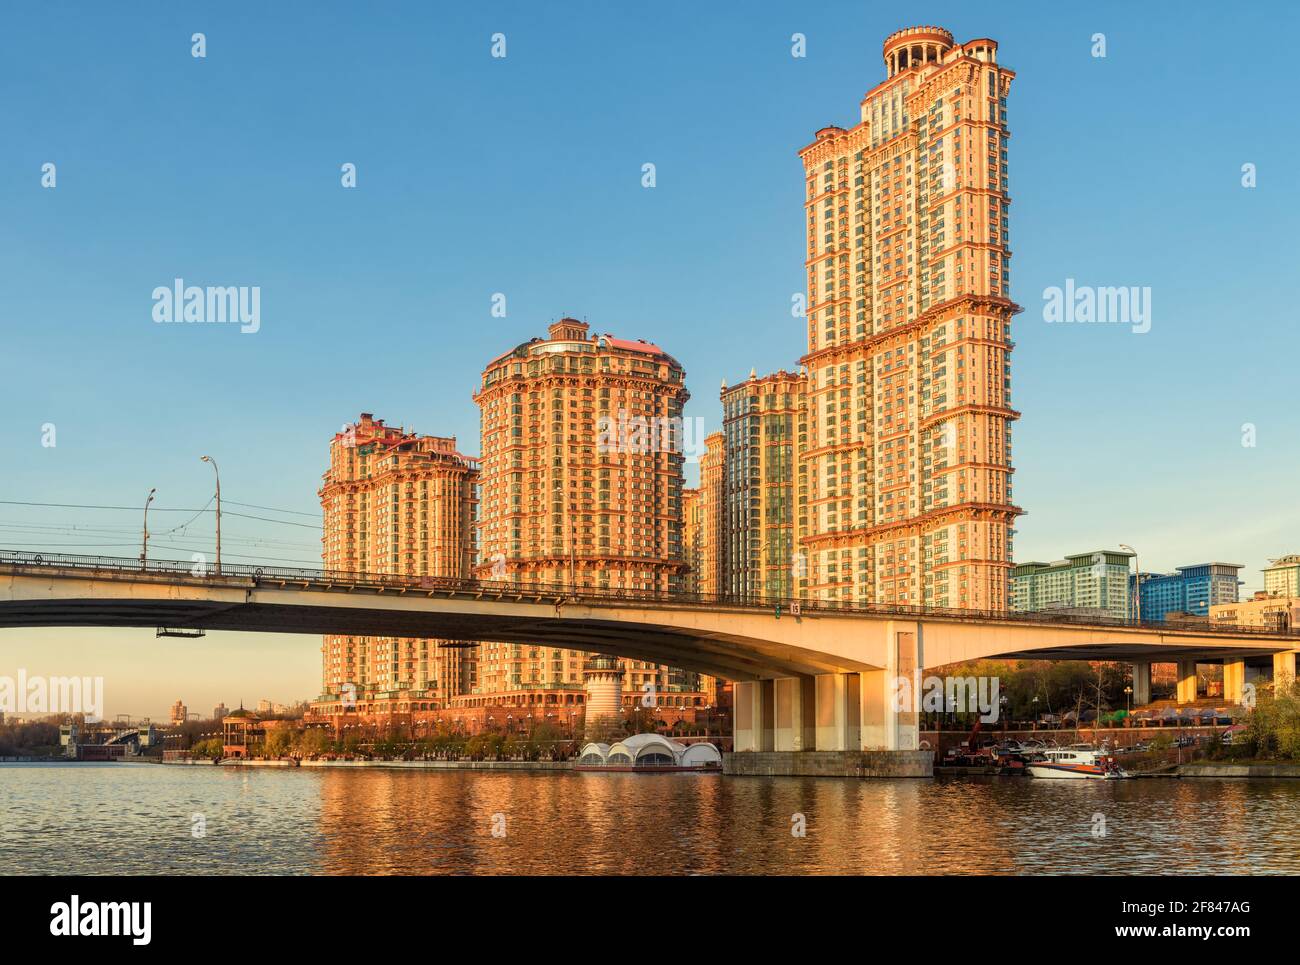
{"points": [[568, 593]]}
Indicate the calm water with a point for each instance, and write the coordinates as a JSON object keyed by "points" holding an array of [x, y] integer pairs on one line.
{"points": [[124, 818]]}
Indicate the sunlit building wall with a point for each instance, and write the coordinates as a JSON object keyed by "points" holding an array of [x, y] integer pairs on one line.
{"points": [[713, 542], [907, 469], [582, 456], [760, 426], [1095, 583], [1282, 577], [402, 504]]}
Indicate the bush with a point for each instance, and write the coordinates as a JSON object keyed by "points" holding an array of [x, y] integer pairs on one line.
{"points": [[1273, 725]]}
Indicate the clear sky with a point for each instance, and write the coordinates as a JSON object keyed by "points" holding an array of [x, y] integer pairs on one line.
{"points": [[523, 175]]}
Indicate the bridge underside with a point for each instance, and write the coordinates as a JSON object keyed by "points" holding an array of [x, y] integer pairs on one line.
{"points": [[1134, 652], [735, 642], [713, 655]]}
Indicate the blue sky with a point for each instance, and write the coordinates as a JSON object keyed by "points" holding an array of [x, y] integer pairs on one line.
{"points": [[522, 175]]}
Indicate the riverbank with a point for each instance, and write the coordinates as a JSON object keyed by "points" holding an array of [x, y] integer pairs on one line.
{"points": [[1240, 769], [401, 765]]}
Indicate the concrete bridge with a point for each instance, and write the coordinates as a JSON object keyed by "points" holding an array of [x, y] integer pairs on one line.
{"points": [[810, 675]]}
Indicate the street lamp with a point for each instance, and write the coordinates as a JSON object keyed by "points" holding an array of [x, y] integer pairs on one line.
{"points": [[1128, 694], [144, 545], [1137, 582], [218, 475]]}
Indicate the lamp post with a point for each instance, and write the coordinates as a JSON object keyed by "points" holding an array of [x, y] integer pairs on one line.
{"points": [[144, 544], [218, 475], [1137, 583]]}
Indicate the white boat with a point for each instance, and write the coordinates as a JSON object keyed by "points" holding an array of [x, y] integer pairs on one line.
{"points": [[1075, 763]]}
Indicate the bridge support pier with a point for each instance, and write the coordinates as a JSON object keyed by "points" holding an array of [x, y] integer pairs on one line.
{"points": [[831, 725], [754, 705], [838, 724], [795, 727], [1234, 680], [1141, 683], [890, 701], [1186, 681], [886, 726], [1284, 670]]}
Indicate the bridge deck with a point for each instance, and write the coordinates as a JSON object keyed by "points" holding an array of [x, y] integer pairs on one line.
{"points": [[736, 639]]}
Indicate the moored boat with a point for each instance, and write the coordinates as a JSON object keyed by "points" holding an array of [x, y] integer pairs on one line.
{"points": [[1075, 763]]}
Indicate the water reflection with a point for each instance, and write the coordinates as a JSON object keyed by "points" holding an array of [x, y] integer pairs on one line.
{"points": [[105, 819]]}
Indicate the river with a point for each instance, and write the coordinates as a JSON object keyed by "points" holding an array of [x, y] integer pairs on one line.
{"points": [[141, 818]]}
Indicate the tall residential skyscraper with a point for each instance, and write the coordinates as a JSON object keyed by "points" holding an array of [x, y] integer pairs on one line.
{"points": [[905, 478], [712, 515], [761, 420], [397, 503], [692, 539], [581, 483]]}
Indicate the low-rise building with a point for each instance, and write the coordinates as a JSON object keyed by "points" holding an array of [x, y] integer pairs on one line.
{"points": [[1282, 577], [1261, 610], [1190, 589], [241, 733], [1083, 583], [1270, 612]]}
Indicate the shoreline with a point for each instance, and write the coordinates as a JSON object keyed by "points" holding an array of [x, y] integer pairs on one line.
{"points": [[1244, 770], [401, 765]]}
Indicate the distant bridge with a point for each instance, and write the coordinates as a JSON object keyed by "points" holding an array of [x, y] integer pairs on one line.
{"points": [[803, 668]]}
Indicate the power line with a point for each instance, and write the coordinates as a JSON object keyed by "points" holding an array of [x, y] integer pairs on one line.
{"points": [[272, 509], [192, 518], [136, 509], [95, 532]]}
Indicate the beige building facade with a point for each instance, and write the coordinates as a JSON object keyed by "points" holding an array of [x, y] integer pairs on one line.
{"points": [[1274, 612], [906, 475], [1262, 610], [712, 534], [763, 426], [1282, 577], [693, 536], [397, 503], [582, 455]]}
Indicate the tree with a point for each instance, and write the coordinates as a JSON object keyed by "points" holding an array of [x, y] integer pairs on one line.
{"points": [[278, 742], [313, 742], [210, 748]]}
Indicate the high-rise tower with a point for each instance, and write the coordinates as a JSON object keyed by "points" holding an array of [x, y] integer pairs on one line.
{"points": [[582, 455], [398, 504], [905, 480], [761, 422]]}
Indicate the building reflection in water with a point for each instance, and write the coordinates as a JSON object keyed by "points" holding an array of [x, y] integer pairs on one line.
{"points": [[422, 822]]}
